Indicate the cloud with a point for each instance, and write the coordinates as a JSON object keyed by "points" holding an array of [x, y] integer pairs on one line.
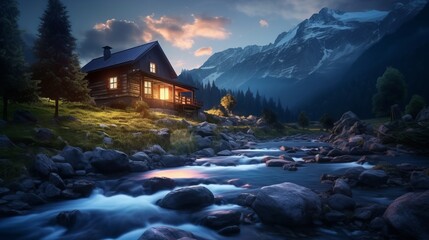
{"points": [[302, 9], [182, 34], [263, 23], [204, 51], [118, 34]]}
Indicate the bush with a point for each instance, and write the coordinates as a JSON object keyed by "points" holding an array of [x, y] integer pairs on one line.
{"points": [[142, 107], [228, 102], [416, 104], [271, 119], [217, 112]]}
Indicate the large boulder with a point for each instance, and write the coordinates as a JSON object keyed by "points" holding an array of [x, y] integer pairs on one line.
{"points": [[188, 197], [165, 233], [205, 129], [423, 115], [65, 169], [373, 178], [419, 180], [156, 184], [44, 134], [342, 187], [287, 204], [172, 161], [140, 156], [75, 157], [341, 202], [43, 165], [409, 215], [346, 121], [202, 142], [221, 218], [109, 161]]}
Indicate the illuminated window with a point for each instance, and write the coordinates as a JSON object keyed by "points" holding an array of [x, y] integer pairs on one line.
{"points": [[152, 67], [113, 83], [163, 93], [148, 88]]}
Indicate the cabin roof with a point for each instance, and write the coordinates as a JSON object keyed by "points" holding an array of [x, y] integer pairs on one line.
{"points": [[119, 58]]}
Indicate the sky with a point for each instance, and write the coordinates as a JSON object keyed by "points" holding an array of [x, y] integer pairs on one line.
{"points": [[189, 31]]}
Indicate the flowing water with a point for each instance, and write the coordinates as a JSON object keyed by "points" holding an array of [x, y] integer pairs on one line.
{"points": [[120, 216]]}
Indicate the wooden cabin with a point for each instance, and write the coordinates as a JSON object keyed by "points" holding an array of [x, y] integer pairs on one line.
{"points": [[139, 73]]}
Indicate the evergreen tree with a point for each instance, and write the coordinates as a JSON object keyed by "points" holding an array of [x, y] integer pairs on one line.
{"points": [[416, 104], [57, 65], [303, 120], [14, 81], [326, 121], [391, 89]]}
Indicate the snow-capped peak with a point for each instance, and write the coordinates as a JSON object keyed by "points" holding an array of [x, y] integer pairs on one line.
{"points": [[367, 16]]}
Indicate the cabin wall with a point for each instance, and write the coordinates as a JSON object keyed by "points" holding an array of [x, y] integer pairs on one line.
{"points": [[162, 65]]}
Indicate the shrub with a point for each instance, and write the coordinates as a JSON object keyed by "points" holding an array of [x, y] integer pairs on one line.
{"points": [[118, 104], [142, 107], [416, 104], [228, 102]]}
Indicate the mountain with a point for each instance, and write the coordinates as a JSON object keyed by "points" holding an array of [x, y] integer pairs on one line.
{"points": [[307, 59], [407, 49]]}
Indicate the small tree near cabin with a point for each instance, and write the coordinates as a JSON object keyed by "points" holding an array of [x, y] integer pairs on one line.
{"points": [[15, 83], [57, 65], [391, 89], [416, 104], [228, 102], [303, 120]]}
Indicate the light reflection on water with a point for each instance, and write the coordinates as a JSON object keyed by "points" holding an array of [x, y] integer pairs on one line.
{"points": [[174, 173]]}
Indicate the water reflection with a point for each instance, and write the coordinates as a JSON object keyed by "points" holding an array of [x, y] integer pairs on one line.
{"points": [[174, 173]]}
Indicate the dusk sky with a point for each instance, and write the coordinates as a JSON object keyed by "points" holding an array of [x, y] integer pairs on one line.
{"points": [[189, 31]]}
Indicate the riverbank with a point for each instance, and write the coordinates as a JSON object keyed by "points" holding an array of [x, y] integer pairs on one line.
{"points": [[342, 185]]}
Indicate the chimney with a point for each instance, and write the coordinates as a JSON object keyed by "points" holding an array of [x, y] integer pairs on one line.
{"points": [[107, 52]]}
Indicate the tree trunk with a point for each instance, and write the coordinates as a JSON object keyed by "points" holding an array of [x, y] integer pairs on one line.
{"points": [[5, 101], [56, 108]]}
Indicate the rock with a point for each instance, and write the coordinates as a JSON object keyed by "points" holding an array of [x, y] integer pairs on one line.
{"points": [[245, 199], [173, 161], [354, 172], [322, 159], [56, 180], [261, 122], [341, 202], [373, 177], [156, 184], [342, 187], [368, 212], [23, 116], [221, 218], [51, 191], [165, 233], [419, 180], [377, 147], [58, 158], [43, 165], [65, 169], [157, 149], [202, 142], [230, 230], [5, 142], [407, 118], [335, 153], [109, 161], [287, 204], [250, 131], [68, 218], [346, 121], [140, 156], [188, 197], [75, 157], [33, 199], [408, 215], [83, 187], [225, 153], [107, 140], [343, 159], [276, 163], [206, 152], [44, 134], [4, 191], [377, 224], [167, 122], [205, 129], [138, 166], [423, 115], [335, 216], [356, 141]]}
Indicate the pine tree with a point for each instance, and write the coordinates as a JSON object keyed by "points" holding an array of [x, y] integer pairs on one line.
{"points": [[57, 65], [303, 120], [14, 81]]}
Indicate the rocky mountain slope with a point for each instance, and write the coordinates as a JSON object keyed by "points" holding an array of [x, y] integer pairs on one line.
{"points": [[307, 58]]}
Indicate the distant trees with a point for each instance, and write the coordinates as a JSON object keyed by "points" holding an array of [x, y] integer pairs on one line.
{"points": [[391, 89], [57, 65], [15, 82], [228, 102], [416, 104], [326, 121], [303, 120]]}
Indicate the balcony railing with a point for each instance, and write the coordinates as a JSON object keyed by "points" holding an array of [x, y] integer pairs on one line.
{"points": [[188, 101]]}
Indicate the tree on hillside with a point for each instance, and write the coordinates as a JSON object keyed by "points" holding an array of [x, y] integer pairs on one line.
{"points": [[391, 89], [14, 81], [416, 104], [327, 121], [57, 65], [303, 120], [228, 102]]}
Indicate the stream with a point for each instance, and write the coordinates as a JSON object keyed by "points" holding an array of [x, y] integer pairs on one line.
{"points": [[120, 216]]}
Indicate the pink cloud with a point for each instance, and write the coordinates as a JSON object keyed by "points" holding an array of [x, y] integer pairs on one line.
{"points": [[204, 51], [263, 23], [182, 34]]}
